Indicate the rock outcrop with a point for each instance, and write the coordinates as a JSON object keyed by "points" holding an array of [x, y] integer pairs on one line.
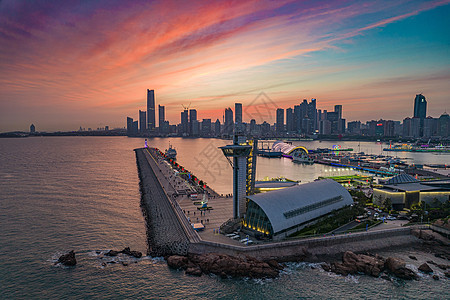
{"points": [[68, 259], [225, 265], [368, 264], [398, 268], [358, 263], [133, 253], [425, 268], [126, 251]]}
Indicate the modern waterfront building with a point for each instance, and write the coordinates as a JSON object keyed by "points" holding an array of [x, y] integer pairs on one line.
{"points": [[151, 110], [142, 121], [404, 190], [32, 128], [288, 150], [280, 213]]}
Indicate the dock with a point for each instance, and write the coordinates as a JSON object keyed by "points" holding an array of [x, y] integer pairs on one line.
{"points": [[170, 212]]}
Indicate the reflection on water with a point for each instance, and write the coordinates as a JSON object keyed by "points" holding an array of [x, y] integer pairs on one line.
{"points": [[82, 193]]}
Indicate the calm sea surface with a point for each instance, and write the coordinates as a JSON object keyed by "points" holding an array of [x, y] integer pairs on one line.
{"points": [[82, 193]]}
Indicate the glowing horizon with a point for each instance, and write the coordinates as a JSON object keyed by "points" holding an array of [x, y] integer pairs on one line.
{"points": [[65, 65]]}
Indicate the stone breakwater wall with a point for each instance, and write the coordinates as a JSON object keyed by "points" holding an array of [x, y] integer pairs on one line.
{"points": [[314, 249], [164, 230]]}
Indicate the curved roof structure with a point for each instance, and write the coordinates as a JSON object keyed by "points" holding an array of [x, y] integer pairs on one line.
{"points": [[402, 178], [286, 148], [292, 206]]}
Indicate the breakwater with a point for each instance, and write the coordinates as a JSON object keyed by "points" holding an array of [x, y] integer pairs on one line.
{"points": [[165, 233]]}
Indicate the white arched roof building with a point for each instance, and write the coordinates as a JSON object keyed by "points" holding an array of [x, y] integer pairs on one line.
{"points": [[287, 149], [281, 212]]}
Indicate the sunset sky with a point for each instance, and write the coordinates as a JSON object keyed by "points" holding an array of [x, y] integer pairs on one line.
{"points": [[66, 64]]}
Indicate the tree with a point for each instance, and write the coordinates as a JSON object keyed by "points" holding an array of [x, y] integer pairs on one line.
{"points": [[387, 203]]}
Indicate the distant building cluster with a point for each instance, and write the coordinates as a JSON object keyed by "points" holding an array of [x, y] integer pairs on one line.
{"points": [[417, 126], [302, 120]]}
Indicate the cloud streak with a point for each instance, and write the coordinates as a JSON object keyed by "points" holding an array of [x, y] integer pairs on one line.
{"points": [[105, 54]]}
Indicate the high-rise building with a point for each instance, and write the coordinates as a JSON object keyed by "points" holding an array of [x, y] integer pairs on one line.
{"points": [[289, 120], [135, 128], [338, 110], [420, 107], [312, 115], [185, 121], [228, 121], [420, 111], [129, 126], [280, 120], [206, 127], [297, 119], [443, 127], [192, 120], [238, 113], [151, 110], [217, 128], [142, 121], [161, 116], [32, 128]]}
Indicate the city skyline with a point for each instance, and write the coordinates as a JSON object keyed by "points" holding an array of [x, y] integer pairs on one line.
{"points": [[362, 55]]}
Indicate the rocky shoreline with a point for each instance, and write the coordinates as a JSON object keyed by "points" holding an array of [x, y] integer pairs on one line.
{"points": [[225, 265], [369, 264]]}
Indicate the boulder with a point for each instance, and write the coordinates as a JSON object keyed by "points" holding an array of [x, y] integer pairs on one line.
{"points": [[129, 252], [353, 263], [425, 268], [442, 267], [398, 267], [68, 259], [177, 262], [447, 274], [112, 253], [435, 277]]}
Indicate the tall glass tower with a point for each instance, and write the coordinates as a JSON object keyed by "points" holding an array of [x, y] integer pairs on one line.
{"points": [[420, 107], [151, 110]]}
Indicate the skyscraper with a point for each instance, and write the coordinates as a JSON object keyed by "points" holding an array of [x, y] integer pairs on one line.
{"points": [[289, 120], [420, 107], [185, 121], [129, 126], [142, 121], [161, 116], [280, 120], [151, 110], [420, 111], [192, 120], [32, 128], [238, 113], [228, 121]]}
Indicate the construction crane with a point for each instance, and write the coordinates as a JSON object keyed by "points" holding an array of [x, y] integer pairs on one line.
{"points": [[186, 107]]}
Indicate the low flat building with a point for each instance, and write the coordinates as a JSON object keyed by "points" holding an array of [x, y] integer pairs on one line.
{"points": [[279, 213], [404, 190]]}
